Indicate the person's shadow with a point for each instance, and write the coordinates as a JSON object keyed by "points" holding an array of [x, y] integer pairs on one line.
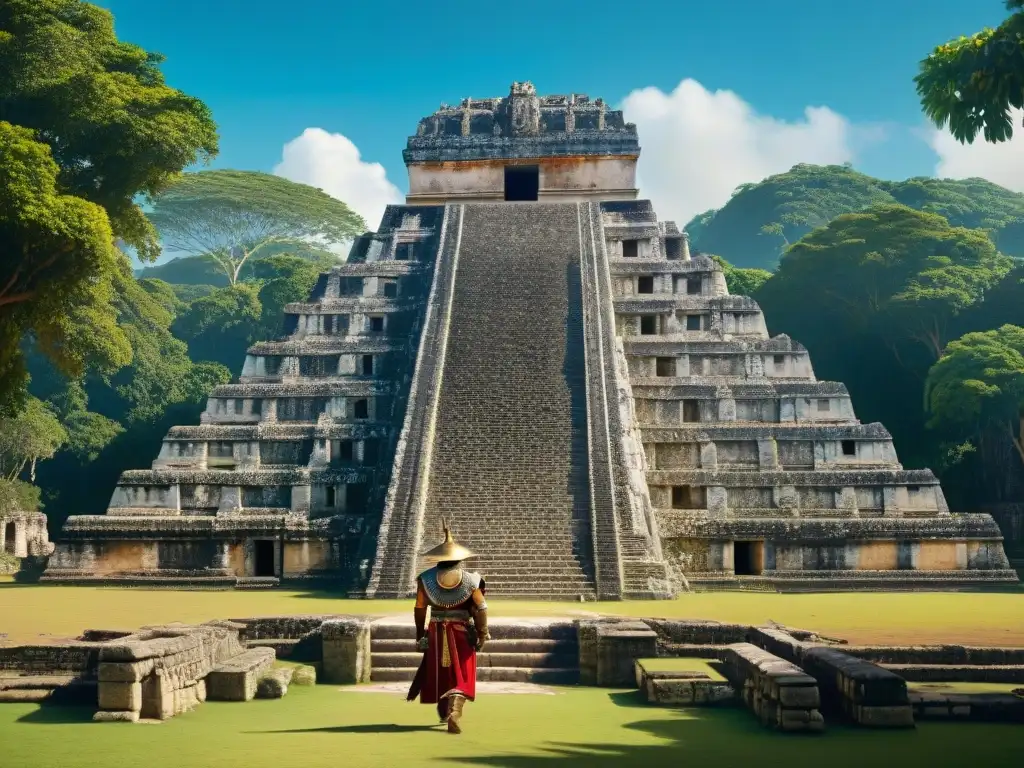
{"points": [[365, 728]]}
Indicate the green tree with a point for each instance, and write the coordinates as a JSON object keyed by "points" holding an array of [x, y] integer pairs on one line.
{"points": [[219, 327], [973, 84], [976, 390], [740, 281], [87, 128], [33, 434], [891, 271], [230, 216], [56, 271]]}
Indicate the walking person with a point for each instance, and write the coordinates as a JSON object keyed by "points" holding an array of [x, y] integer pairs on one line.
{"points": [[456, 630]]}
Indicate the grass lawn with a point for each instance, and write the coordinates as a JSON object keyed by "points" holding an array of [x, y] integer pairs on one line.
{"points": [[880, 618], [326, 726], [680, 664]]}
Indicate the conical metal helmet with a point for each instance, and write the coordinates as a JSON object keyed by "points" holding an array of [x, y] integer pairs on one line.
{"points": [[447, 550]]}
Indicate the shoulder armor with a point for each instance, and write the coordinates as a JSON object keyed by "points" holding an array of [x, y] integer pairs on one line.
{"points": [[442, 597]]}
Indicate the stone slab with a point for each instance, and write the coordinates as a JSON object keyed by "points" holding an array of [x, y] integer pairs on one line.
{"points": [[236, 679]]}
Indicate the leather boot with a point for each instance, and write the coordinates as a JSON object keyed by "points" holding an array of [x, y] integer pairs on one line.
{"points": [[455, 713], [442, 710]]}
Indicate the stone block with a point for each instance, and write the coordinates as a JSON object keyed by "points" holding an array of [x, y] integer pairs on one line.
{"points": [[115, 717], [802, 696], [274, 684], [118, 697], [884, 717], [346, 650], [304, 675], [236, 679], [124, 672], [618, 648]]}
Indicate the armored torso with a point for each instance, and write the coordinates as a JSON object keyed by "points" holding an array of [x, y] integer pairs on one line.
{"points": [[439, 596]]}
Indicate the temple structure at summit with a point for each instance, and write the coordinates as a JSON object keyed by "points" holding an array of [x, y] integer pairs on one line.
{"points": [[525, 350]]}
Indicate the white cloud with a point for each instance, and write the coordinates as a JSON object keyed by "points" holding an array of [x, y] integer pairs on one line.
{"points": [[331, 162], [698, 146], [999, 163]]}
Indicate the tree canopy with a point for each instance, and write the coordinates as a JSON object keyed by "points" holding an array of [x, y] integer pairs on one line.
{"points": [[977, 388], [230, 216], [761, 220], [32, 435], [973, 84], [220, 327], [891, 271], [87, 127]]}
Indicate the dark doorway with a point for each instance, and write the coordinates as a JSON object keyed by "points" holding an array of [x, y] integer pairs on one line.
{"points": [[264, 557], [367, 365], [522, 182], [748, 558], [9, 535], [691, 410]]}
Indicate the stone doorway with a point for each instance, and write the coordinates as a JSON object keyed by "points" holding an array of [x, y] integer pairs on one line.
{"points": [[263, 557], [522, 182], [748, 558], [10, 540]]}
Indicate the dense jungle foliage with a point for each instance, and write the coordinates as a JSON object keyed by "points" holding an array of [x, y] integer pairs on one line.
{"points": [[912, 292]]}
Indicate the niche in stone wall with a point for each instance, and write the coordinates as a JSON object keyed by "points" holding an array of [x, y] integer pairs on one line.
{"points": [[10, 534], [688, 497], [630, 249]]}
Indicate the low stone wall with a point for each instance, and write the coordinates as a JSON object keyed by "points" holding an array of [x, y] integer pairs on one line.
{"points": [[977, 707], [781, 694], [868, 694], [70, 658], [160, 672], [938, 654]]}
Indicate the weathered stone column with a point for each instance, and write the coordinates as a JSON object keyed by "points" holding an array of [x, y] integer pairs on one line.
{"points": [[346, 650], [618, 647]]}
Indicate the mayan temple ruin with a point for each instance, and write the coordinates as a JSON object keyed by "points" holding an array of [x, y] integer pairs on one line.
{"points": [[525, 350]]}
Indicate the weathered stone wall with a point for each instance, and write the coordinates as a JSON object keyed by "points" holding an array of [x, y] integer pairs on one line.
{"points": [[566, 179]]}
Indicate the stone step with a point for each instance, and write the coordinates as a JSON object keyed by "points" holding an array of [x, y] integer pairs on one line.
{"points": [[494, 645], [568, 676], [483, 659], [562, 631]]}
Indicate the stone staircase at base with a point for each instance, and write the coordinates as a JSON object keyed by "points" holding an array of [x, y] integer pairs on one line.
{"points": [[521, 653]]}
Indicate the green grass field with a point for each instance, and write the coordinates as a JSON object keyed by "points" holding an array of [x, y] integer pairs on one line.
{"points": [[327, 726], [27, 611]]}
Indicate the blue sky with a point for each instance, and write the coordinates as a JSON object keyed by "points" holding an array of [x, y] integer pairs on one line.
{"points": [[370, 70]]}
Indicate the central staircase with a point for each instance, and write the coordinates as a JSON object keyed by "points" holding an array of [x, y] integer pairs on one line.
{"points": [[510, 458], [521, 653]]}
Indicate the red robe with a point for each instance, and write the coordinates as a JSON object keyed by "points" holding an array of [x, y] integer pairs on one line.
{"points": [[449, 663]]}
